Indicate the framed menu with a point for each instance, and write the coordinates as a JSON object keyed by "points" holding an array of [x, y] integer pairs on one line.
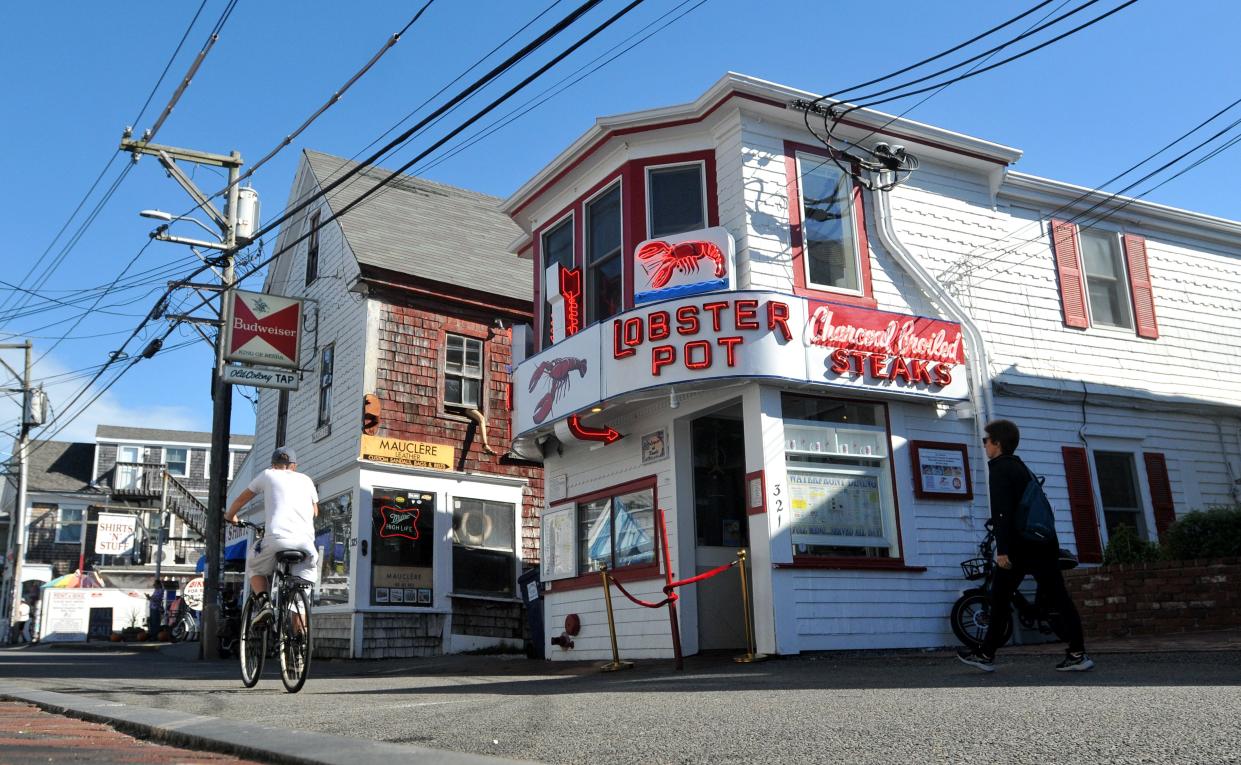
{"points": [[941, 470], [559, 551]]}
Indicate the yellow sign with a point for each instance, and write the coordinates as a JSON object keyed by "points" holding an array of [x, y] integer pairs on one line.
{"points": [[394, 451]]}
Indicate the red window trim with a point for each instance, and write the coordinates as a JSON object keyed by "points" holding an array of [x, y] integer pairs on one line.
{"points": [[635, 573], [632, 178], [793, 185], [833, 561]]}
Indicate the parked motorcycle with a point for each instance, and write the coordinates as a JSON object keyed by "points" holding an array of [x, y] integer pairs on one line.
{"points": [[971, 614]]}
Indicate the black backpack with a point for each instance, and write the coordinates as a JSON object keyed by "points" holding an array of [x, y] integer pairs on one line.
{"points": [[1035, 521]]}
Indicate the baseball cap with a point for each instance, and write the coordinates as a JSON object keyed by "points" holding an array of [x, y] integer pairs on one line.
{"points": [[283, 455]]}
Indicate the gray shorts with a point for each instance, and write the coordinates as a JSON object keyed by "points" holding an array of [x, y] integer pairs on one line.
{"points": [[262, 561]]}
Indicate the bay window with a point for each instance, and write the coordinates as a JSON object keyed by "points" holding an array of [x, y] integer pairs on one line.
{"points": [[604, 264], [556, 248], [676, 199]]}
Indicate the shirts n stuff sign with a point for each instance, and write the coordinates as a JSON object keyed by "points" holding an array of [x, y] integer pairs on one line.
{"points": [[263, 329]]}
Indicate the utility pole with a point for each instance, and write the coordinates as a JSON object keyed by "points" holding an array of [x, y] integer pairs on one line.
{"points": [[221, 392], [17, 523]]}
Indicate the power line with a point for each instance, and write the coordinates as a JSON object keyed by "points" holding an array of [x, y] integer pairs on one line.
{"points": [[189, 75]]}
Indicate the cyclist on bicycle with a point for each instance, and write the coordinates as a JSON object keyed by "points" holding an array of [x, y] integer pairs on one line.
{"points": [[291, 504]]}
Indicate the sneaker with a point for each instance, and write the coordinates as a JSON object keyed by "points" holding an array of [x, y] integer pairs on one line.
{"points": [[1075, 662], [975, 658], [263, 615]]}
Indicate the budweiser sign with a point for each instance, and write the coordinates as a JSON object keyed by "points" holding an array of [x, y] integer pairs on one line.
{"points": [[886, 346], [263, 329]]}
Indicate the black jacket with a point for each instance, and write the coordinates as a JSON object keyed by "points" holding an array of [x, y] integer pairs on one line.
{"points": [[1007, 477]]}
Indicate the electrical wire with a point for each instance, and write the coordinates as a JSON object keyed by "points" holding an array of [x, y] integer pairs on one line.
{"points": [[189, 75]]}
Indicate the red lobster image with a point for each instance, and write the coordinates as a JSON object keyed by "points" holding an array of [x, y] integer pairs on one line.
{"points": [[682, 256], [558, 371]]}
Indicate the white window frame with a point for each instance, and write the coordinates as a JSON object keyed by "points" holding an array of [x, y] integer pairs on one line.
{"points": [[1133, 447], [187, 450], [702, 189], [324, 417], [588, 268], [60, 524], [549, 228], [1122, 279], [465, 374], [824, 161]]}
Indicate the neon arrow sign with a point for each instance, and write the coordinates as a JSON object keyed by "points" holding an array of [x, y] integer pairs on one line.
{"points": [[606, 435]]}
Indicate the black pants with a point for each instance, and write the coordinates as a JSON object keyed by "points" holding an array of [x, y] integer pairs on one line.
{"points": [[1051, 592]]}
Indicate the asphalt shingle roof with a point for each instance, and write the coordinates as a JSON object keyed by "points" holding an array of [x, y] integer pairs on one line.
{"points": [[428, 230], [155, 436], [60, 466]]}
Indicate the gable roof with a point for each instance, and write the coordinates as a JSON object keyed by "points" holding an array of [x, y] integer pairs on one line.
{"points": [[155, 436], [428, 230], [60, 466]]}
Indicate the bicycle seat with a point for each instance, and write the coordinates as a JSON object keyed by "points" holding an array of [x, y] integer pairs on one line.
{"points": [[291, 556]]}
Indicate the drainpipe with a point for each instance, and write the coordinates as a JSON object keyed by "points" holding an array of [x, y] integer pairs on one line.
{"points": [[978, 367]]}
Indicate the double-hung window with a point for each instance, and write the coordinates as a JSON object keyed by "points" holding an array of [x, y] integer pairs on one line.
{"points": [[616, 530], [1104, 279], [70, 525], [604, 267], [676, 199], [463, 371], [556, 249], [1118, 490], [829, 243], [327, 363], [177, 461], [1106, 288]]}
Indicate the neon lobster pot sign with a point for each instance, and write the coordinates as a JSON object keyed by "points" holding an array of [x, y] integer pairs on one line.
{"points": [[686, 264]]}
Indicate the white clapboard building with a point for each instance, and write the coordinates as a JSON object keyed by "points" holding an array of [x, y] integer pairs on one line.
{"points": [[787, 352]]}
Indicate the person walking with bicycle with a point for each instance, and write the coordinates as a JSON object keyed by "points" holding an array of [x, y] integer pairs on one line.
{"points": [[1015, 557], [291, 504]]}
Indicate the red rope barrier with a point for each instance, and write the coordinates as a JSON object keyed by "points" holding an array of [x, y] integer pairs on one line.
{"points": [[668, 588]]}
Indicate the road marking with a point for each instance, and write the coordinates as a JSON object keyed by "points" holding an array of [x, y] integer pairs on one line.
{"points": [[422, 704]]}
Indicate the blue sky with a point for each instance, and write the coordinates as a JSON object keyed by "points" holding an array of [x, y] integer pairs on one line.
{"points": [[78, 72]]}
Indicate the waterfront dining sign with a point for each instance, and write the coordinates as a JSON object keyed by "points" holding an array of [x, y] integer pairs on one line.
{"points": [[749, 334]]}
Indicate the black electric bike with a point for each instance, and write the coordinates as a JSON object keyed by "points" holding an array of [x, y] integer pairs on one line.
{"points": [[971, 614]]}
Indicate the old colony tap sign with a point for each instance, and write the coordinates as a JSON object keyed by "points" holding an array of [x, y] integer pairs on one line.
{"points": [[747, 334]]}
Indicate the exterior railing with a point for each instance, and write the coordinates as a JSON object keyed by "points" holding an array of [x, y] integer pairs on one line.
{"points": [[137, 479], [186, 506]]}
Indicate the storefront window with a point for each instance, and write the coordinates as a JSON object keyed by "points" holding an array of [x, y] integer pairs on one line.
{"points": [[334, 541], [616, 531], [402, 547], [840, 482], [483, 539]]}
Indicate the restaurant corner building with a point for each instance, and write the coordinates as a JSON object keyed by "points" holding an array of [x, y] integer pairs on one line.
{"points": [[791, 353]]}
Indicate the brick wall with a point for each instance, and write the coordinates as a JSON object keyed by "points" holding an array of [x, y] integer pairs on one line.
{"points": [[409, 383], [1158, 598]]}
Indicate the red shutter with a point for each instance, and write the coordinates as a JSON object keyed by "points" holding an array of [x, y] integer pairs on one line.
{"points": [[1140, 287], [1069, 269], [1161, 490], [1081, 504]]}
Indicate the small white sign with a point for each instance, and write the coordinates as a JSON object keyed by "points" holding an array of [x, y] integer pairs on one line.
{"points": [[115, 534], [260, 377], [193, 593]]}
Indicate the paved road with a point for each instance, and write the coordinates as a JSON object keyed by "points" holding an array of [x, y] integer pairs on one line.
{"points": [[857, 708]]}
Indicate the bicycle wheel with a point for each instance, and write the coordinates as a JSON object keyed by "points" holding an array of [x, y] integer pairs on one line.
{"points": [[251, 646], [294, 639], [971, 615]]}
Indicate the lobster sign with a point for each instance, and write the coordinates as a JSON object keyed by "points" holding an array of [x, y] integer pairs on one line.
{"points": [[682, 265]]}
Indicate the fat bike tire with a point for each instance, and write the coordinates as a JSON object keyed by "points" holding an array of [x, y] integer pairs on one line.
{"points": [[971, 616]]}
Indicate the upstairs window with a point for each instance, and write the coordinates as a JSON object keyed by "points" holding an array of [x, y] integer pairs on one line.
{"points": [[327, 363], [177, 461], [69, 525], [676, 199], [556, 249], [1104, 279], [1107, 293], [604, 293], [312, 249], [463, 371], [828, 230]]}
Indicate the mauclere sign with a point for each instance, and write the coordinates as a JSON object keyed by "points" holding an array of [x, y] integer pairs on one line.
{"points": [[395, 451], [263, 329]]}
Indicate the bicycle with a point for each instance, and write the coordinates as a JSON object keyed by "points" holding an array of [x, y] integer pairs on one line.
{"points": [[971, 614], [287, 632]]}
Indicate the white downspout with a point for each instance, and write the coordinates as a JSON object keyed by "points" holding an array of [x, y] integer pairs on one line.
{"points": [[978, 365]]}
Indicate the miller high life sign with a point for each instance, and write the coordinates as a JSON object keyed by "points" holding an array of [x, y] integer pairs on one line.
{"points": [[263, 329]]}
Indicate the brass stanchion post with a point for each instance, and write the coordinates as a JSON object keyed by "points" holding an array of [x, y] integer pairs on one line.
{"points": [[750, 656], [616, 663]]}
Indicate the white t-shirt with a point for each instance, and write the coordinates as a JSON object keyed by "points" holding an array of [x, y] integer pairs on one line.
{"points": [[23, 612], [288, 499]]}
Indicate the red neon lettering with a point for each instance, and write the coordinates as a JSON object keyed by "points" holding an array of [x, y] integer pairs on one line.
{"points": [[687, 320], [840, 361], [571, 291], [618, 350], [662, 356], [859, 362], [943, 374], [633, 332], [745, 315], [778, 316], [875, 364], [730, 344], [918, 371], [657, 326], [701, 345], [898, 369], [715, 308]]}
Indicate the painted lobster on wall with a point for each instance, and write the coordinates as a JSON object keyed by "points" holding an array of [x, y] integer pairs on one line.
{"points": [[557, 372], [662, 260]]}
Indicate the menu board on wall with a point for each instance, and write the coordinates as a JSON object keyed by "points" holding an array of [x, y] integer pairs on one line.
{"points": [[558, 550], [836, 507], [403, 544]]}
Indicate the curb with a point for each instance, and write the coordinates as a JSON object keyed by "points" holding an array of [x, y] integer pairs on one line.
{"points": [[244, 740]]}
